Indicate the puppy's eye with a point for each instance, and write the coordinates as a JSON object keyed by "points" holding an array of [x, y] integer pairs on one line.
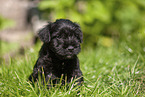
{"points": [[76, 46]]}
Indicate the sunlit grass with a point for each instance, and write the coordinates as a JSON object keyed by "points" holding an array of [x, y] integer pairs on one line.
{"points": [[113, 71]]}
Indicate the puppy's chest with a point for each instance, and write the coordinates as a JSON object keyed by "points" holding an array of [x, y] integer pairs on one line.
{"points": [[62, 68]]}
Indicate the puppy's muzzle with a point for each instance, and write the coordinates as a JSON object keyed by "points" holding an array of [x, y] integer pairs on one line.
{"points": [[70, 48]]}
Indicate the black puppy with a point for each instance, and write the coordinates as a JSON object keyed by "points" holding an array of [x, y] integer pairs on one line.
{"points": [[58, 55]]}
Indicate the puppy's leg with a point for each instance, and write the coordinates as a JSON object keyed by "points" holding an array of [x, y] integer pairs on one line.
{"points": [[79, 78], [38, 68], [74, 73], [77, 73], [51, 80]]}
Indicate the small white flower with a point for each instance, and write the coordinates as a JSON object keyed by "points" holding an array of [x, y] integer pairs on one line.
{"points": [[31, 50], [137, 72], [130, 50]]}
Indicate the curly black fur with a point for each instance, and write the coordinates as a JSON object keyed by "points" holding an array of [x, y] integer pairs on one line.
{"points": [[58, 54]]}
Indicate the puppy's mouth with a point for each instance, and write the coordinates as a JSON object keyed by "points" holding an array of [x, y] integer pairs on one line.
{"points": [[69, 56]]}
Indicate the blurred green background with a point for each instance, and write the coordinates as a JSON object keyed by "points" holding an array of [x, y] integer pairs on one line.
{"points": [[103, 22]]}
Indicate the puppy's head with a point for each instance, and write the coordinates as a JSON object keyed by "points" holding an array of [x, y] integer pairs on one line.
{"points": [[64, 38]]}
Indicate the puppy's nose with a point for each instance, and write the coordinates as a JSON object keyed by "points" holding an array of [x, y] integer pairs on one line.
{"points": [[70, 48]]}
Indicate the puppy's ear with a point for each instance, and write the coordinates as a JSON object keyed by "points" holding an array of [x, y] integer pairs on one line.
{"points": [[44, 33], [80, 34]]}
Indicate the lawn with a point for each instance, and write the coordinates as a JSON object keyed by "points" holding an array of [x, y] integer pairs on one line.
{"points": [[108, 71]]}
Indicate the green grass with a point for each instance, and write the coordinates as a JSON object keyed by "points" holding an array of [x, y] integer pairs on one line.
{"points": [[116, 71]]}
